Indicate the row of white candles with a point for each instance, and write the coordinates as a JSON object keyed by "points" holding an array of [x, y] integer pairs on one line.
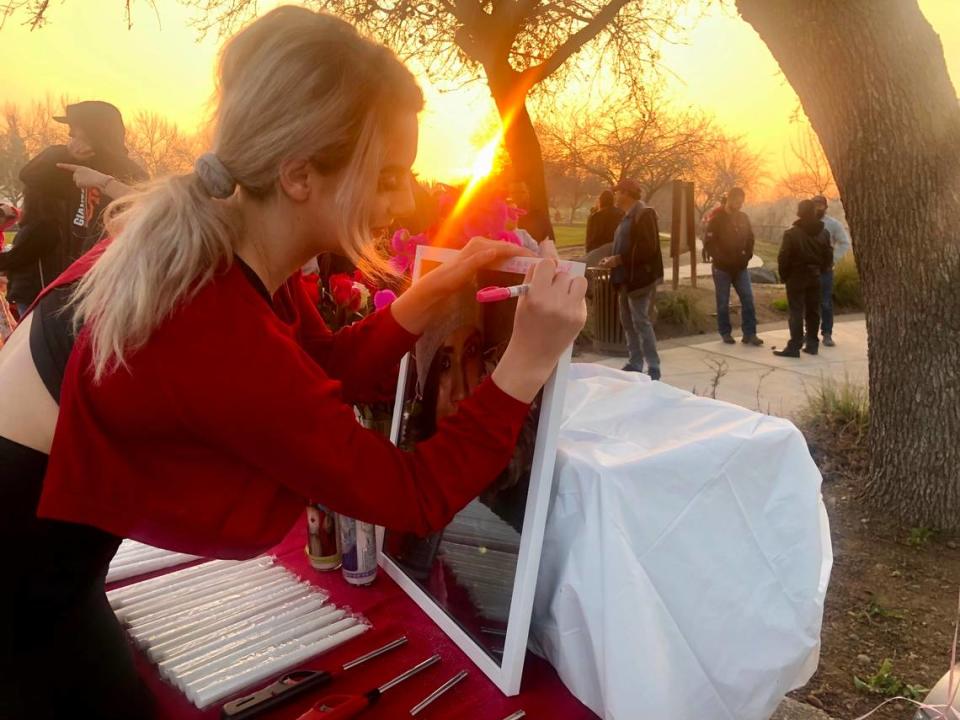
{"points": [[135, 558], [217, 628]]}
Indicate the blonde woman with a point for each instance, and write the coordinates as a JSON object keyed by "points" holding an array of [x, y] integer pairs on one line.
{"points": [[191, 397]]}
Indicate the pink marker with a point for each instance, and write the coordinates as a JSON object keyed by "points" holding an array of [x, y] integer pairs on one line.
{"points": [[496, 294]]}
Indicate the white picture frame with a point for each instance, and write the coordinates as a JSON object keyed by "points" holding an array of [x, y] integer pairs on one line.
{"points": [[508, 674]]}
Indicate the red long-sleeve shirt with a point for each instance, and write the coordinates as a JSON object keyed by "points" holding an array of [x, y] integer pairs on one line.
{"points": [[234, 412]]}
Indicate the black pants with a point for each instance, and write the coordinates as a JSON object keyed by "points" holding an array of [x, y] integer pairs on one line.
{"points": [[803, 298], [63, 653]]}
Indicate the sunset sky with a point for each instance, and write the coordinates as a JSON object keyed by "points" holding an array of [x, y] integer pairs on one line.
{"points": [[87, 51]]}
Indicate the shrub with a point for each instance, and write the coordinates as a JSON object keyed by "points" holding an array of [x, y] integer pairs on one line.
{"points": [[780, 304], [682, 310], [840, 405], [846, 284]]}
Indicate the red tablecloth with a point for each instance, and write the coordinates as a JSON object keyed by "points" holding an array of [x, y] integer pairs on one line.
{"points": [[392, 613]]}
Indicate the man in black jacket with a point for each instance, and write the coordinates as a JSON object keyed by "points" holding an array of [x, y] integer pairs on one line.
{"points": [[729, 243], [805, 254], [602, 224], [636, 270], [61, 221]]}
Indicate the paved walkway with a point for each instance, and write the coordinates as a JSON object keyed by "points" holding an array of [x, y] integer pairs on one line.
{"points": [[754, 377]]}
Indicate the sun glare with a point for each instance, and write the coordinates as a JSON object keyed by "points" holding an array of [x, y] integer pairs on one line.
{"points": [[484, 164]]}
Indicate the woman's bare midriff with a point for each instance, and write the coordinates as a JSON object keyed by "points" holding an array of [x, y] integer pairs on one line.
{"points": [[28, 415]]}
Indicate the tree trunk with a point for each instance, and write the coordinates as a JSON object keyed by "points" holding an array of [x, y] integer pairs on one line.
{"points": [[873, 81], [520, 138]]}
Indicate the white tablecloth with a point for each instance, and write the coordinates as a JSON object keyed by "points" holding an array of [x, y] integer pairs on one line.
{"points": [[686, 556]]}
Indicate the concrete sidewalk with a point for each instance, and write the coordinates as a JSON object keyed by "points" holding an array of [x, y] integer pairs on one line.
{"points": [[754, 377]]}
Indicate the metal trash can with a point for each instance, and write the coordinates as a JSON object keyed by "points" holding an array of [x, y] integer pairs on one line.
{"points": [[607, 331]]}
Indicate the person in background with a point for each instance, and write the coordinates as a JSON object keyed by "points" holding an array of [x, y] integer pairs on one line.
{"points": [[9, 215], [603, 222], [7, 322], [840, 242], [636, 270], [729, 244], [533, 221], [66, 188], [805, 254], [705, 223]]}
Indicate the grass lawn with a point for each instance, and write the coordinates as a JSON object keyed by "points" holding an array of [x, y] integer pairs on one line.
{"points": [[570, 235]]}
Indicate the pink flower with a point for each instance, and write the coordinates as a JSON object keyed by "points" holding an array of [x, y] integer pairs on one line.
{"points": [[404, 248], [383, 298], [401, 263], [399, 241]]}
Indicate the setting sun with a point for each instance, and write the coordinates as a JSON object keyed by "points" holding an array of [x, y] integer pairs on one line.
{"points": [[485, 163]]}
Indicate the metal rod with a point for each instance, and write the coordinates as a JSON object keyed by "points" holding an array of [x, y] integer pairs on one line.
{"points": [[410, 673], [375, 653], [516, 716], [438, 692]]}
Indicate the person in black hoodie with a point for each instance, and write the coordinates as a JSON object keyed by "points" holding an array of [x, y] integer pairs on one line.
{"points": [[602, 224], [804, 255], [62, 218]]}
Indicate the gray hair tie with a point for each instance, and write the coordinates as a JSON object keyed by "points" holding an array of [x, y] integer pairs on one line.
{"points": [[214, 176]]}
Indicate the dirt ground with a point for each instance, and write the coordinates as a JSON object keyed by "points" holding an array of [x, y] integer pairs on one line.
{"points": [[892, 595]]}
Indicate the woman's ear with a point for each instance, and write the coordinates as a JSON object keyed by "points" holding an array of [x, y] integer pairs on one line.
{"points": [[296, 179]]}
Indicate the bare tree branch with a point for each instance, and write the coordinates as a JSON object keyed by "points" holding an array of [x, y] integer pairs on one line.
{"points": [[574, 43], [813, 176]]}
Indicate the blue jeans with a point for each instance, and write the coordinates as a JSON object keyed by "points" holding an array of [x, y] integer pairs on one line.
{"points": [[635, 319], [722, 281], [826, 302], [22, 309]]}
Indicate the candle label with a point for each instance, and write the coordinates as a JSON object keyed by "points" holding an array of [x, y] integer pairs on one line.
{"points": [[323, 538], [358, 542]]}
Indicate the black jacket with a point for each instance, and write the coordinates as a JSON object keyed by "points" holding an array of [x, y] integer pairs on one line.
{"points": [[805, 251], [601, 226], [729, 241], [637, 242], [60, 222]]}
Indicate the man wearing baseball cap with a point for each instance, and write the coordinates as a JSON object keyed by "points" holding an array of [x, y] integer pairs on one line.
{"points": [[66, 188], [636, 268]]}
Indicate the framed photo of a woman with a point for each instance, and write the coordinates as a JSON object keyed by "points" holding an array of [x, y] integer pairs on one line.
{"points": [[477, 577]]}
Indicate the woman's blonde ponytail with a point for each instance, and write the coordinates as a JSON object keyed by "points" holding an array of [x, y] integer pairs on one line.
{"points": [[293, 84], [166, 244]]}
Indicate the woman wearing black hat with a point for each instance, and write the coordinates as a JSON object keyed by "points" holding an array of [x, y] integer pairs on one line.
{"points": [[66, 188]]}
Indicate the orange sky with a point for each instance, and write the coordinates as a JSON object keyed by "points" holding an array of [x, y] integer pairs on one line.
{"points": [[86, 51]]}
